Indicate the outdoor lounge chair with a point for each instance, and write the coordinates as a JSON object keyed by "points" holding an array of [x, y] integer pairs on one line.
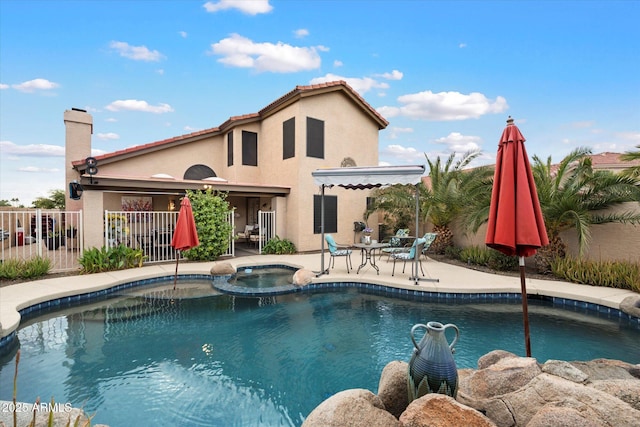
{"points": [[337, 250], [415, 252], [396, 243], [429, 238]]}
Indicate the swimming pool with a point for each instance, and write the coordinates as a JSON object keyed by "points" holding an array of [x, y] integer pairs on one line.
{"points": [[217, 360]]}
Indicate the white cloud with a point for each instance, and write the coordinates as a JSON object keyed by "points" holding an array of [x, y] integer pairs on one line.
{"points": [[35, 84], [183, 34], [462, 45], [337, 63], [37, 169], [239, 51], [3, 86], [394, 75], [111, 120], [360, 85], [249, 7], [444, 106], [633, 137], [160, 71], [32, 150], [395, 131], [135, 105], [137, 53], [110, 136], [300, 33], [402, 155], [456, 142]]}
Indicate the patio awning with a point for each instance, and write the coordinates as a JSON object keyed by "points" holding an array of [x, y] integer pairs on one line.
{"points": [[363, 177]]}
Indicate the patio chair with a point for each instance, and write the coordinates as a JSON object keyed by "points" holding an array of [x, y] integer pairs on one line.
{"points": [[396, 243], [337, 250], [415, 252], [429, 238], [246, 233]]}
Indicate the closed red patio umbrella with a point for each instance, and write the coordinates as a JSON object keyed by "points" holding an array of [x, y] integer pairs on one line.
{"points": [[185, 236], [516, 225]]}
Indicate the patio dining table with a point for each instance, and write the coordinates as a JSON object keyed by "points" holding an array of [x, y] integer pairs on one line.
{"points": [[368, 254]]}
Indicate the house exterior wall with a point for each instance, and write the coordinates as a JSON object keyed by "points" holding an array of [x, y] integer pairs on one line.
{"points": [[349, 131]]}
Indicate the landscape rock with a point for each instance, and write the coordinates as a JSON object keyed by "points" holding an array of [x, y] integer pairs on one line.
{"points": [[553, 416], [393, 389], [439, 410], [222, 268], [631, 305], [505, 375], [355, 408], [493, 357], [303, 277], [565, 370]]}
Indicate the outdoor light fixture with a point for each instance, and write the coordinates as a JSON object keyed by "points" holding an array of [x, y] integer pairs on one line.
{"points": [[75, 190], [92, 166]]}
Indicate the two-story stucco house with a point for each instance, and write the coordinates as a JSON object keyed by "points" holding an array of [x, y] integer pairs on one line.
{"points": [[263, 160]]}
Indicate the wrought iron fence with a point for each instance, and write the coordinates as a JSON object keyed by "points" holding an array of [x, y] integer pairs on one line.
{"points": [[52, 234]]}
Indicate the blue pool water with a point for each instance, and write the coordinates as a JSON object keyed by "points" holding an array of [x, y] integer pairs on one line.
{"points": [[220, 360]]}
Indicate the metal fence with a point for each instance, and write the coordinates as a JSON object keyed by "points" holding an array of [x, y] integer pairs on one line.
{"points": [[52, 234], [150, 231]]}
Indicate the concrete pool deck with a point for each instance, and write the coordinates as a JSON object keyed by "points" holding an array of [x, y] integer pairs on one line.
{"points": [[452, 279]]}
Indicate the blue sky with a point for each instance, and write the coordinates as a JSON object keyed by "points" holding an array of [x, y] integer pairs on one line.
{"points": [[445, 74]]}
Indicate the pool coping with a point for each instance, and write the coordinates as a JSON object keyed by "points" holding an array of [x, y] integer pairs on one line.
{"points": [[25, 298]]}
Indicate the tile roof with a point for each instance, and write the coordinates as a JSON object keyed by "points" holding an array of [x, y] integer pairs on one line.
{"points": [[283, 101]]}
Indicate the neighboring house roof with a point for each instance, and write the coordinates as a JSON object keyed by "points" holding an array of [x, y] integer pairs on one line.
{"points": [[295, 95]]}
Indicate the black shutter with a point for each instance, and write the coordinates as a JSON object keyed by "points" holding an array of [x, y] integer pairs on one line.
{"points": [[249, 148], [289, 138], [315, 138], [230, 149], [330, 214]]}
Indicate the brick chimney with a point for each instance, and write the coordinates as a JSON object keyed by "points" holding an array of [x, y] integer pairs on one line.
{"points": [[78, 129]]}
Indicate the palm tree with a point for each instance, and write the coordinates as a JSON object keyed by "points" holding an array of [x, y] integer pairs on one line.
{"points": [[450, 192], [574, 196], [396, 203], [630, 156]]}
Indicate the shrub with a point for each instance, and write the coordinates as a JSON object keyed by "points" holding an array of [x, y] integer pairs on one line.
{"points": [[12, 269], [475, 255], [96, 260], [279, 246], [453, 252], [615, 274], [501, 262], [210, 213]]}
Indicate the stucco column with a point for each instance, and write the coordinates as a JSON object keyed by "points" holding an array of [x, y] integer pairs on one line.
{"points": [[78, 129]]}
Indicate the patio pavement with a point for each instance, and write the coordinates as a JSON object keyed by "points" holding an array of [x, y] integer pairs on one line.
{"points": [[452, 279]]}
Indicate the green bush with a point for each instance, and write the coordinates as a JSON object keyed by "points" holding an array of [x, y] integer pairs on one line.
{"points": [[501, 262], [453, 252], [210, 212], [614, 274], [475, 255], [279, 246], [12, 269], [96, 260]]}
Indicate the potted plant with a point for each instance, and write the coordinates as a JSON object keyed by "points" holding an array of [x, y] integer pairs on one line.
{"points": [[54, 239], [72, 231]]}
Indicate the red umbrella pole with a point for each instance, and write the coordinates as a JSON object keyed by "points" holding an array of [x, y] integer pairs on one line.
{"points": [[525, 308], [175, 277]]}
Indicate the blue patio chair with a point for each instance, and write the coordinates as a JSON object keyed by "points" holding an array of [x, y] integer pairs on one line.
{"points": [[429, 238], [337, 250], [413, 255], [396, 243]]}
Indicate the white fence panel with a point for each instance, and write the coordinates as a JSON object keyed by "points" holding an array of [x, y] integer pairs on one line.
{"points": [[52, 234]]}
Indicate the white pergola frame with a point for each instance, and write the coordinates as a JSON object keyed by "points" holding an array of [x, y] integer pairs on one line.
{"points": [[368, 177]]}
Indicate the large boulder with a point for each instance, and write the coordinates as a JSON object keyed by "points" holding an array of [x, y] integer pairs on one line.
{"points": [[303, 277], [515, 391], [439, 410], [393, 389], [355, 408], [222, 268]]}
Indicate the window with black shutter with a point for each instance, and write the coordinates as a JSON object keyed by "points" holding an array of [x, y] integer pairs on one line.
{"points": [[249, 148], [315, 138], [330, 214], [230, 149], [289, 138]]}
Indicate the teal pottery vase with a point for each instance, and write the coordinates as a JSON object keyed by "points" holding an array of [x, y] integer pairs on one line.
{"points": [[432, 368]]}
